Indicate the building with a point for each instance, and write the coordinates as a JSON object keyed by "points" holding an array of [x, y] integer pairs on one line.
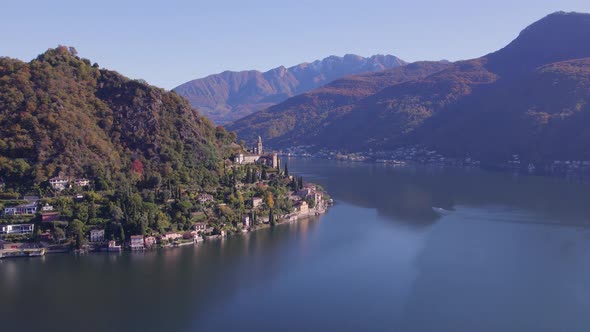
{"points": [[47, 207], [303, 207], [97, 235], [200, 226], [246, 221], [49, 216], [24, 209], [171, 236], [205, 198], [81, 182], [256, 202], [137, 242], [246, 158], [17, 229], [259, 146], [149, 241], [59, 183]]}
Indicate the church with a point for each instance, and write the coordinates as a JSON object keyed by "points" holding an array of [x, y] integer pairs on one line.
{"points": [[257, 156]]}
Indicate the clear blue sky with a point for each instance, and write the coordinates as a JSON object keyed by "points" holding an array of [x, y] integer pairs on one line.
{"points": [[169, 42]]}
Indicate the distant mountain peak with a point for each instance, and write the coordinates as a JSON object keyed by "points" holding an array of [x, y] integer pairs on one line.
{"points": [[230, 95]]}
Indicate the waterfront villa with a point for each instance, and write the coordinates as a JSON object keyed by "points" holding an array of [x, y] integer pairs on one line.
{"points": [[200, 226], [96, 235], [149, 241], [17, 229], [303, 207], [137, 242]]}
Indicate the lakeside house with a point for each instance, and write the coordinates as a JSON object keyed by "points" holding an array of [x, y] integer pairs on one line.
{"points": [[137, 242], [149, 241], [200, 226], [97, 235], [170, 237], [246, 221], [23, 209], [17, 229], [302, 207]]}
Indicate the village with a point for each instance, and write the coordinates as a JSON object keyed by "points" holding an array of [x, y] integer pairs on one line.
{"points": [[260, 193]]}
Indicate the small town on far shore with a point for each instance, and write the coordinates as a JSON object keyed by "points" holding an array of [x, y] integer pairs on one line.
{"points": [[259, 192]]}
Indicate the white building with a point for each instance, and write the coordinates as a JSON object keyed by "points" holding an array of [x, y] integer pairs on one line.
{"points": [[17, 229], [137, 242], [97, 235], [81, 182], [59, 183]]}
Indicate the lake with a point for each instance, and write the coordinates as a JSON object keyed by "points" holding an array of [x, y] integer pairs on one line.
{"points": [[513, 254]]}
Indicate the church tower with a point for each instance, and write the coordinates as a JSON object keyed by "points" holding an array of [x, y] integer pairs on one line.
{"points": [[259, 147]]}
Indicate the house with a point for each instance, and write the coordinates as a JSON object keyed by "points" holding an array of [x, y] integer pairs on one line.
{"points": [[136, 242], [303, 207], [242, 159], [204, 198], [47, 207], [59, 183], [81, 182], [149, 241], [171, 236], [97, 235], [17, 229], [49, 216], [30, 208], [256, 202], [200, 226]]}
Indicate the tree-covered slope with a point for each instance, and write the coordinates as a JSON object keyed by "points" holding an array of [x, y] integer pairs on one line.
{"points": [[61, 115]]}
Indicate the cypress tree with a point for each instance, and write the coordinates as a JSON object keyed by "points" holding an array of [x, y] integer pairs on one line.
{"points": [[286, 169]]}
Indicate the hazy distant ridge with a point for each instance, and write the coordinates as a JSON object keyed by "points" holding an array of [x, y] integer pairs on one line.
{"points": [[228, 96]]}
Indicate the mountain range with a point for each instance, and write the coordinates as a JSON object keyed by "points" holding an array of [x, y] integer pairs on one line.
{"points": [[529, 98], [228, 96]]}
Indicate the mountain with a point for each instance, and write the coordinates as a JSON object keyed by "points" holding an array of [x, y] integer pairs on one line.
{"points": [[229, 96], [529, 98], [62, 116], [300, 119]]}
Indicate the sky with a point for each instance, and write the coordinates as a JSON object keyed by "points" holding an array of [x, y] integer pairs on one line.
{"points": [[169, 42]]}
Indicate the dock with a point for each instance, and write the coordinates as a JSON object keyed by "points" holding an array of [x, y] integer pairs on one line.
{"points": [[12, 253]]}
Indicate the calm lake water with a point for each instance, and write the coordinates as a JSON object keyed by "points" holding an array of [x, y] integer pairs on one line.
{"points": [[514, 255]]}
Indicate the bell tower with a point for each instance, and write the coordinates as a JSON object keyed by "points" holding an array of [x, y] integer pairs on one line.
{"points": [[259, 146]]}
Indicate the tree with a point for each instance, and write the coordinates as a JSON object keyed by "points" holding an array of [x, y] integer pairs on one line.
{"points": [[76, 230], [287, 169], [271, 217], [264, 175], [270, 200]]}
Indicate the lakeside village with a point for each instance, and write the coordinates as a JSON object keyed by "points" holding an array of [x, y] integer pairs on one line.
{"points": [[422, 155], [257, 192]]}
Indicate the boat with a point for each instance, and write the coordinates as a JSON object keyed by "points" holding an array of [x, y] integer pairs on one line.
{"points": [[441, 211]]}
